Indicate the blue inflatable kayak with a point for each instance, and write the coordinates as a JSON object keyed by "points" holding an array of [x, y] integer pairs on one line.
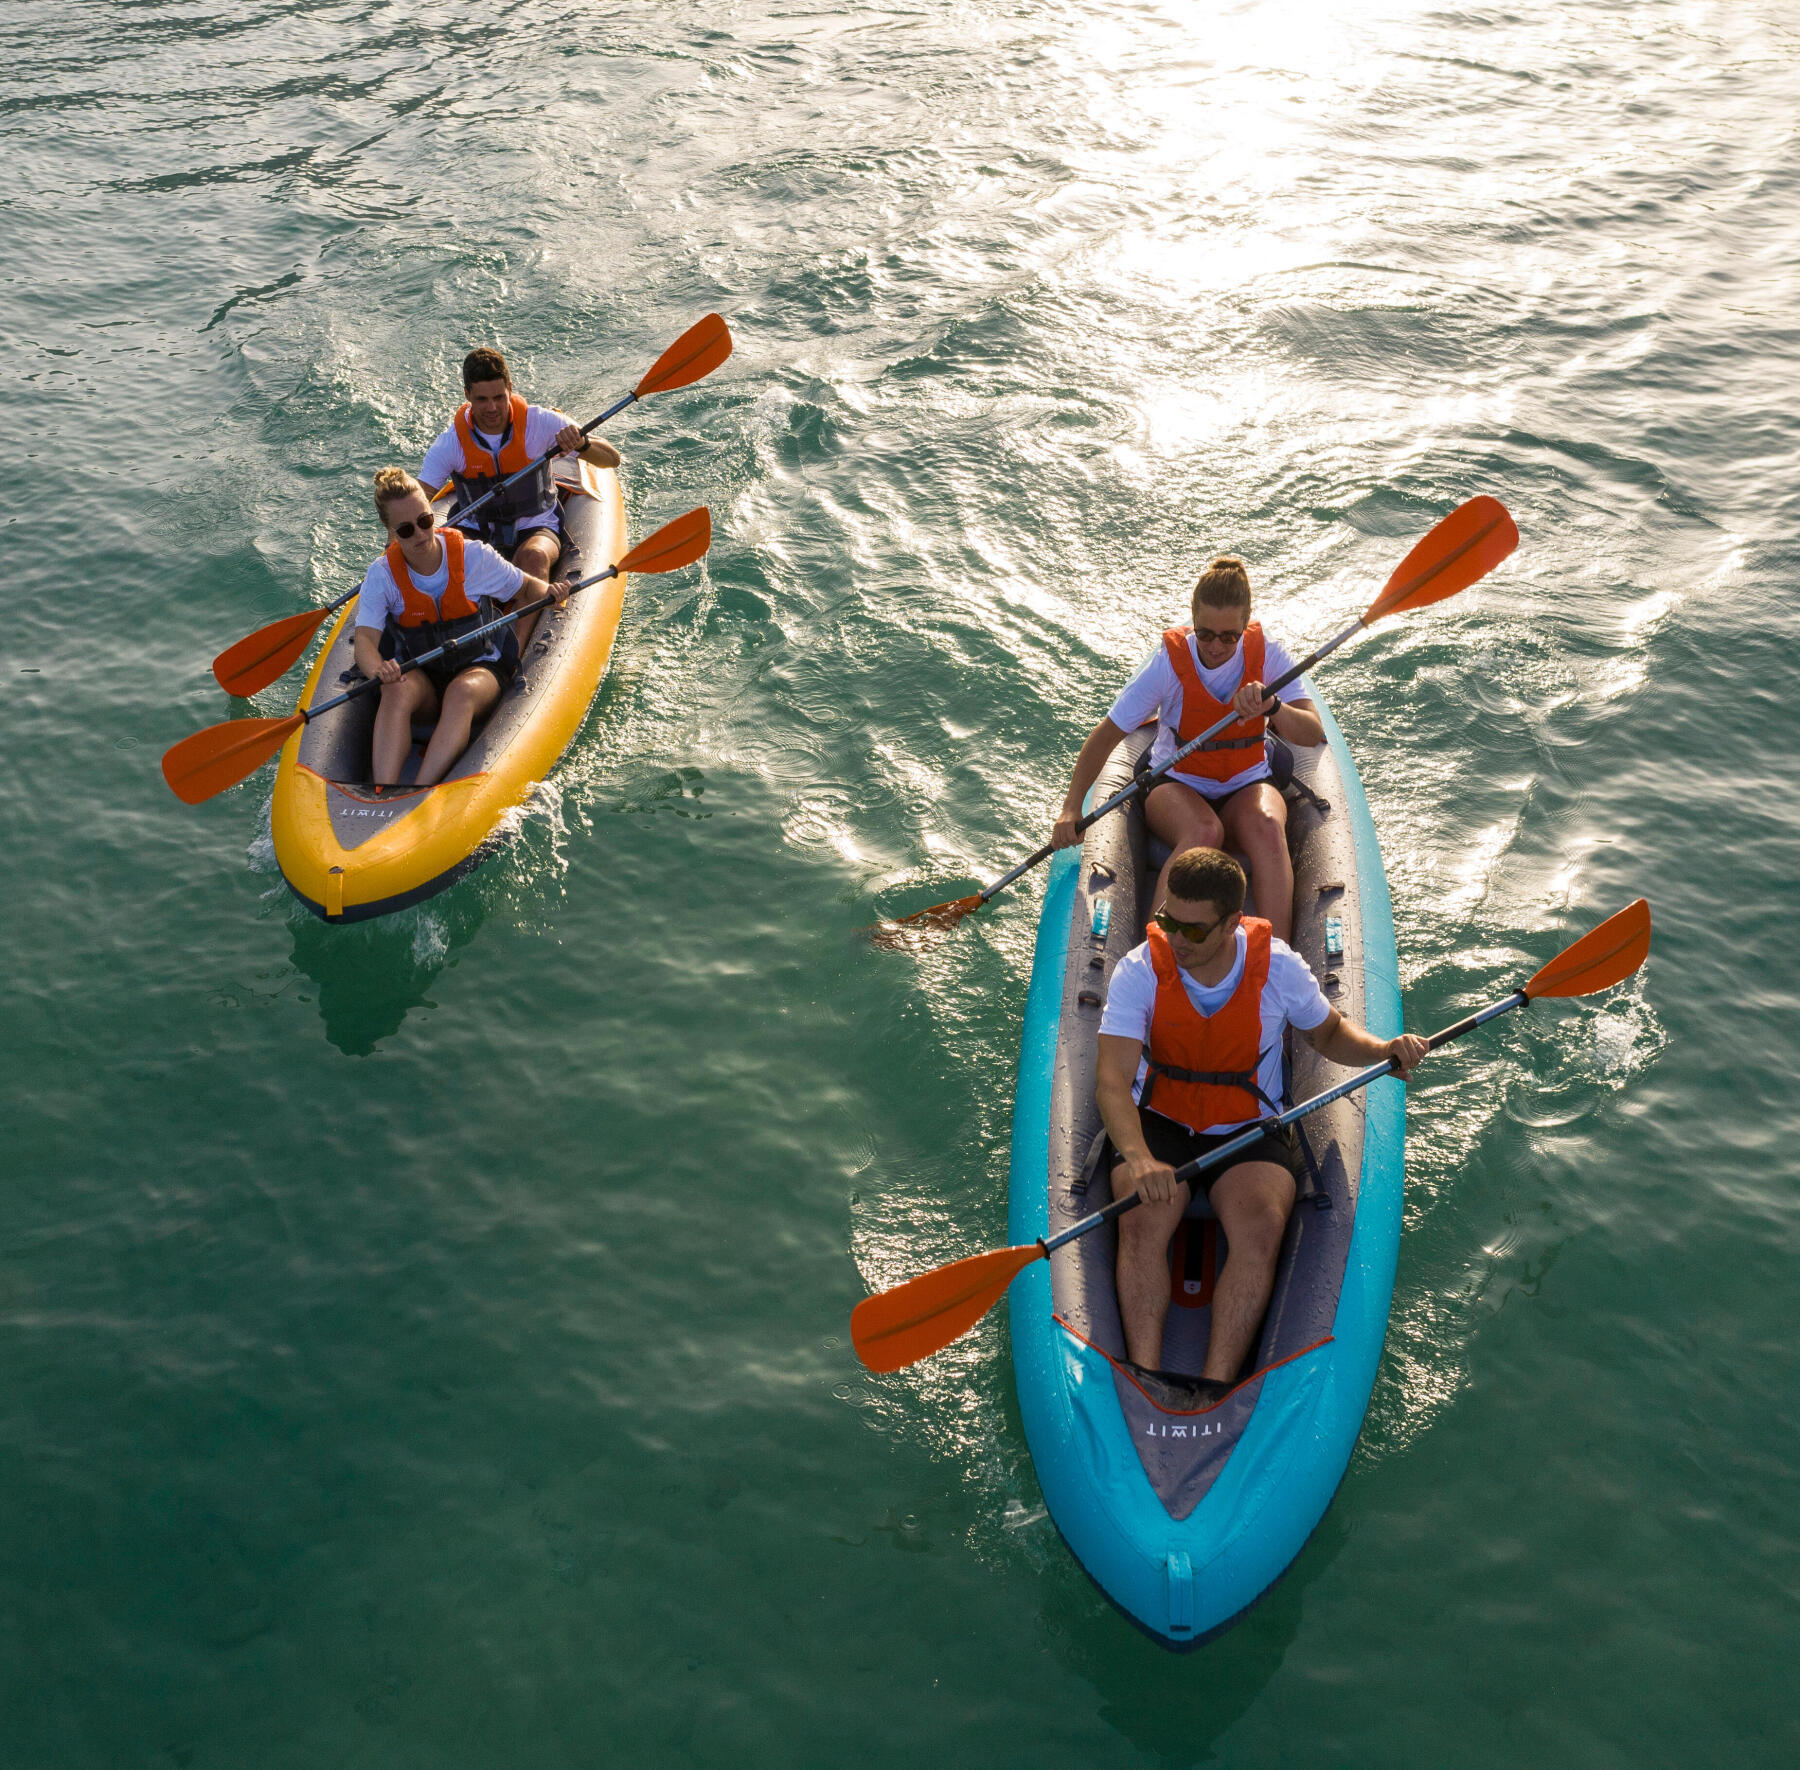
{"points": [[1186, 1519]]}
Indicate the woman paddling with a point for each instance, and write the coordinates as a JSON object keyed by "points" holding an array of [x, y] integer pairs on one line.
{"points": [[1222, 795], [428, 587]]}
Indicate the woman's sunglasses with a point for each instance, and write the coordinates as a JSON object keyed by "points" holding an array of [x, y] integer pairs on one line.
{"points": [[424, 523], [1207, 636]]}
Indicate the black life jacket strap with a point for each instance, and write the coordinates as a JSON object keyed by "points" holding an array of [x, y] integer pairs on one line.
{"points": [[1252, 742], [414, 642], [1244, 1079], [498, 522]]}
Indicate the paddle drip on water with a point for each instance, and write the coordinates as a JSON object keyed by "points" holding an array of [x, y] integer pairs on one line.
{"points": [[903, 931]]}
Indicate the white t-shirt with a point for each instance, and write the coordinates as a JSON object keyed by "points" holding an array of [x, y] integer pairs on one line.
{"points": [[485, 573], [1291, 997], [444, 457], [1155, 692]]}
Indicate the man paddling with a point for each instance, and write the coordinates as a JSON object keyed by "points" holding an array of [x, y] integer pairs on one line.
{"points": [[1222, 794], [1191, 1054], [427, 588], [493, 435]]}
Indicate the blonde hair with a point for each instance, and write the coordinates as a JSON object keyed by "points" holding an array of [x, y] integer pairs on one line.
{"points": [[391, 485], [1224, 584]]}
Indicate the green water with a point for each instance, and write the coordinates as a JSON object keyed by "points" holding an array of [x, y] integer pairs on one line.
{"points": [[426, 1342]]}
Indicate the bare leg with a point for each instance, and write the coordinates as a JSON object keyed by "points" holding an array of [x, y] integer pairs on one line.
{"points": [[465, 700], [536, 556], [1143, 1273], [400, 701], [1252, 1201], [1184, 820], [1256, 825]]}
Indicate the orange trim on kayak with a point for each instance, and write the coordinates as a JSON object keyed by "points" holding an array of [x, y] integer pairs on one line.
{"points": [[1077, 1334]]}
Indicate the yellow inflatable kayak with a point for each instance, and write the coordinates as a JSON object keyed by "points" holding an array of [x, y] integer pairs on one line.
{"points": [[348, 855]]}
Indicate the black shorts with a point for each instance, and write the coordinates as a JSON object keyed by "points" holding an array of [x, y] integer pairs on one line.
{"points": [[1177, 1145], [443, 671]]}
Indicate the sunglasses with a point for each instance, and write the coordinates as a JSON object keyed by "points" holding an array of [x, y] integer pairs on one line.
{"points": [[405, 529], [1207, 636], [1192, 932]]}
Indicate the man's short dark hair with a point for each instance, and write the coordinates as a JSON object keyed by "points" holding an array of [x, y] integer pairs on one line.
{"points": [[1204, 875], [485, 365]]}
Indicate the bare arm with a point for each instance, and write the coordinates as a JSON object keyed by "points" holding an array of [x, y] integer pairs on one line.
{"points": [[1298, 722], [571, 442], [369, 659], [535, 589], [1343, 1042], [1113, 1076], [1102, 741]]}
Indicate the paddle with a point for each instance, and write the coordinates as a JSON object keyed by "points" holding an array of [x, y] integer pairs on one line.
{"points": [[249, 666], [1464, 547], [898, 1327], [222, 755]]}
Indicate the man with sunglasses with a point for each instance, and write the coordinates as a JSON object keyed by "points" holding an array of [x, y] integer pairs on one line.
{"points": [[1220, 796], [1191, 1055], [429, 587], [494, 435]]}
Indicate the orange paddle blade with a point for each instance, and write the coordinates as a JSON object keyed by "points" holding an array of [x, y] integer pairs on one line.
{"points": [[1599, 959], [922, 1316], [674, 545], [697, 352], [902, 931], [1464, 547], [249, 667], [222, 755]]}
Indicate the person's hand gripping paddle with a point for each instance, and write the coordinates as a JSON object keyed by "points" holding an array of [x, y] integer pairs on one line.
{"points": [[222, 755], [1460, 550], [249, 666], [898, 1327]]}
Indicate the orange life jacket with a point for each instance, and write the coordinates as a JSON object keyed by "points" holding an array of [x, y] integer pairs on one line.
{"points": [[1203, 1067], [1238, 746], [477, 463], [498, 520], [420, 610]]}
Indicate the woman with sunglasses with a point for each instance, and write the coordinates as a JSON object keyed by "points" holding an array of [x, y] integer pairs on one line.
{"points": [[1221, 796], [430, 586]]}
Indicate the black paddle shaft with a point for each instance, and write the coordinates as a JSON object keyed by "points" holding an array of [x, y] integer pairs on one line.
{"points": [[1213, 1158], [457, 517], [1145, 782], [370, 684]]}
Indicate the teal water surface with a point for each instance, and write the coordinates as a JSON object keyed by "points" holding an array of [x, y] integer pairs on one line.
{"points": [[426, 1342]]}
